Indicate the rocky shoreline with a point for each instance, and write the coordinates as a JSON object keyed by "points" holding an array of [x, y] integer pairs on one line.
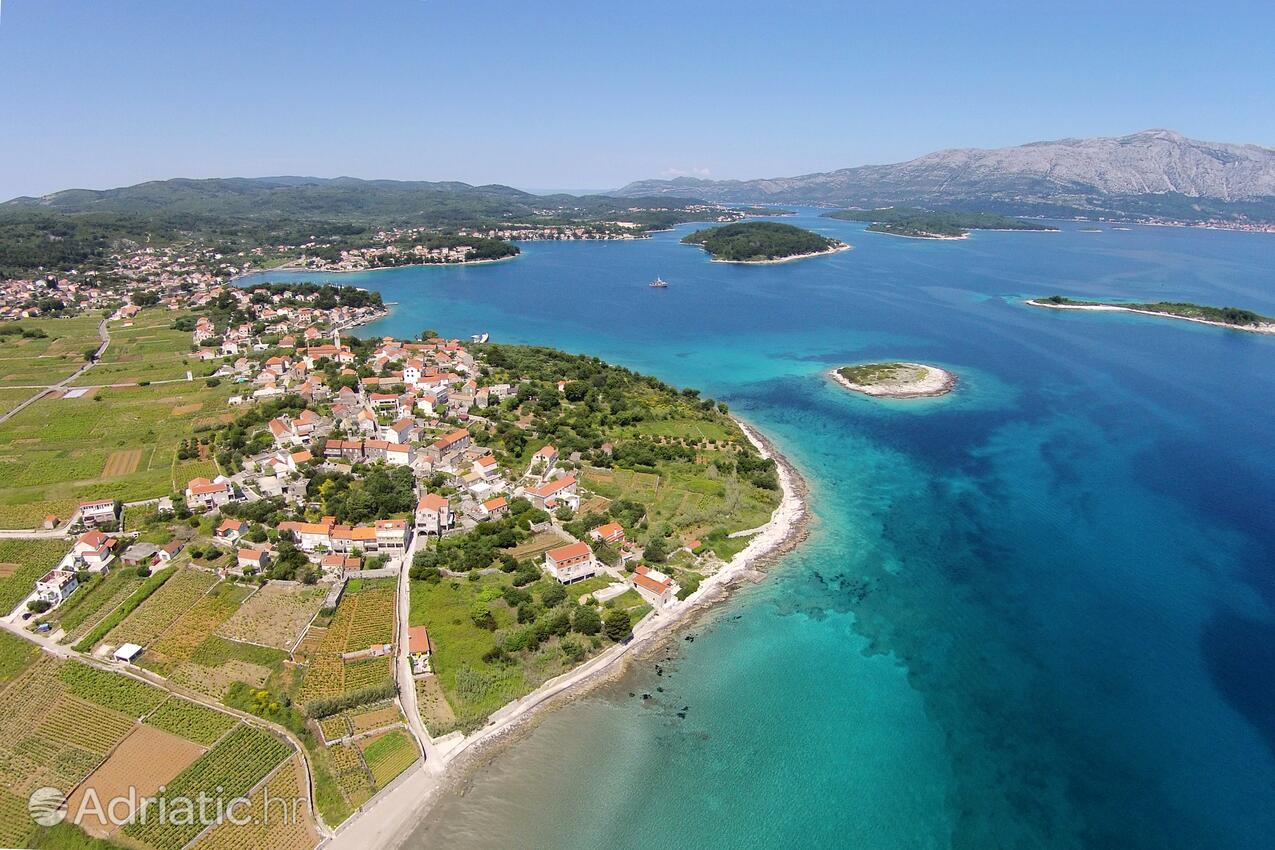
{"points": [[932, 383]]}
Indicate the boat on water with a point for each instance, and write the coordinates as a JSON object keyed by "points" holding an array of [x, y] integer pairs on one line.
{"points": [[658, 283], [482, 337]]}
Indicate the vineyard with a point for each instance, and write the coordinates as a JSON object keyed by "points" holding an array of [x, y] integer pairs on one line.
{"points": [[356, 721], [110, 690], [389, 754], [276, 615], [85, 725], [15, 655], [146, 760], [180, 640], [190, 720], [90, 603], [236, 764], [154, 616], [268, 824], [366, 673], [352, 775], [369, 717], [334, 727], [364, 618], [42, 738]]}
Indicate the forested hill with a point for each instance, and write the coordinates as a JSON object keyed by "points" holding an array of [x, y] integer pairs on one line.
{"points": [[759, 241], [80, 227], [338, 199], [910, 221]]}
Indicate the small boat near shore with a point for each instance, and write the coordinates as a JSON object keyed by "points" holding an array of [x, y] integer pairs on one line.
{"points": [[658, 283]]}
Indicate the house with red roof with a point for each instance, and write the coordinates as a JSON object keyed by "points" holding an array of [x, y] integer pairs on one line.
{"points": [[560, 491], [229, 531], [202, 494], [571, 563], [654, 586], [93, 550], [433, 515], [494, 508], [612, 532]]}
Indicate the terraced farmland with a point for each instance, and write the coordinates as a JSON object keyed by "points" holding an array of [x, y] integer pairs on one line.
{"points": [[236, 764]]}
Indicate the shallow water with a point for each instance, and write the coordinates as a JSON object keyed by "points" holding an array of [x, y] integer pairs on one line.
{"points": [[1036, 612]]}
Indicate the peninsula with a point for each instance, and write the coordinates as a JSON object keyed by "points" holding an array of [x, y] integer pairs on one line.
{"points": [[762, 242], [1235, 318], [933, 224], [361, 555], [895, 380]]}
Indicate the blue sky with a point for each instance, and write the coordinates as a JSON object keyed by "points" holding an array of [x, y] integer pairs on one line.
{"points": [[574, 95]]}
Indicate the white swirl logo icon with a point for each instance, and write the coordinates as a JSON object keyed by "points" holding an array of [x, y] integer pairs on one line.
{"points": [[45, 806]]}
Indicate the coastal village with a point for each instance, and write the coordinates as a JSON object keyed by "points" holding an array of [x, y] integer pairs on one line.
{"points": [[363, 556]]}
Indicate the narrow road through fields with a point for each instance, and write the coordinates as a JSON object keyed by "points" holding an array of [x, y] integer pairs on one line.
{"points": [[403, 664], [101, 349]]}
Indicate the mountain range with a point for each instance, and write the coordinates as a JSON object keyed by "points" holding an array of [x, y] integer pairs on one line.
{"points": [[1155, 172]]}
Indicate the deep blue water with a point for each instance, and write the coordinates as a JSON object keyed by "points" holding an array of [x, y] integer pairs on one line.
{"points": [[1037, 612]]}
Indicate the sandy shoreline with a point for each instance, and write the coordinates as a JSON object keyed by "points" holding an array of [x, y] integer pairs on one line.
{"points": [[936, 382], [842, 247], [387, 821], [1117, 308]]}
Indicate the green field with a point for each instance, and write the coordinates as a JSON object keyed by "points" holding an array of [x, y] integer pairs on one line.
{"points": [[110, 690], [473, 685], [149, 350], [693, 500], [15, 655], [108, 443], [26, 361], [11, 398], [153, 618]]}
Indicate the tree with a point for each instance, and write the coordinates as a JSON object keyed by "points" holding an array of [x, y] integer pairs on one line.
{"points": [[656, 551], [481, 615], [616, 625], [586, 620], [553, 595]]}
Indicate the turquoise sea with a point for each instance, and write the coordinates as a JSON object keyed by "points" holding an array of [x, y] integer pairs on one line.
{"points": [[1036, 613]]}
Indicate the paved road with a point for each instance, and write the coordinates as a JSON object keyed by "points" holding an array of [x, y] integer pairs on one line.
{"points": [[403, 665]]}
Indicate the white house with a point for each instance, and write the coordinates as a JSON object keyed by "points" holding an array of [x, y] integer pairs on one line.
{"points": [[202, 494], [56, 586], [558, 491], [127, 653], [98, 512]]}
